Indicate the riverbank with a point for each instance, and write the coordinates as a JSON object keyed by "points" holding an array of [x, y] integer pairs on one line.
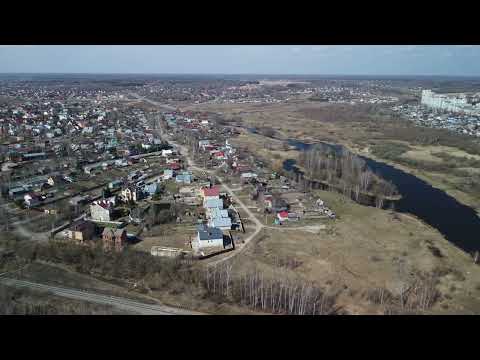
{"points": [[325, 185], [364, 249], [308, 122], [437, 180], [440, 181], [456, 221]]}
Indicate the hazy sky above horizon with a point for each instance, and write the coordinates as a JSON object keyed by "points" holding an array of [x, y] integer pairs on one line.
{"points": [[455, 60]]}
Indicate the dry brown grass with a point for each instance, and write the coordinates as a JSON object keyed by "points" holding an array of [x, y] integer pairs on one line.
{"points": [[309, 121], [366, 248]]}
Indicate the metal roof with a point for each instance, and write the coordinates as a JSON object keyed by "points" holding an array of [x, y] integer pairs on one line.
{"points": [[213, 203], [221, 222], [210, 233]]}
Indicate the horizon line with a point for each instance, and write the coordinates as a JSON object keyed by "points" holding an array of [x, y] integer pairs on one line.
{"points": [[234, 74]]}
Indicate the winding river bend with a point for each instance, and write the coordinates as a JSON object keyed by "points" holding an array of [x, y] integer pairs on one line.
{"points": [[458, 223]]}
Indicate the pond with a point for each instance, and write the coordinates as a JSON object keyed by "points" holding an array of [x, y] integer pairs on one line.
{"points": [[458, 223]]}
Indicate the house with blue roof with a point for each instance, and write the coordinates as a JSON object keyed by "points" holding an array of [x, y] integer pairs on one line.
{"points": [[223, 223], [184, 177], [217, 213], [115, 184], [213, 203], [151, 189], [168, 174]]}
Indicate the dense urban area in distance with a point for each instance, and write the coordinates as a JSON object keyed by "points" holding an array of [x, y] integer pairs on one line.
{"points": [[197, 194]]}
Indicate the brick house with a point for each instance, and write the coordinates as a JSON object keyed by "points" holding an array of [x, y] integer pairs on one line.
{"points": [[114, 239], [81, 232]]}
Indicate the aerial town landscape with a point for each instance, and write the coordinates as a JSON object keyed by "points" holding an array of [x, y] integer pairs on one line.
{"points": [[239, 194]]}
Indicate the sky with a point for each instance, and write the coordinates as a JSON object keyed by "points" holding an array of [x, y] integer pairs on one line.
{"points": [[453, 60]]}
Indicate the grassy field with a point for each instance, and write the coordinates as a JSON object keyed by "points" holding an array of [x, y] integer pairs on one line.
{"points": [[361, 132], [368, 248], [271, 151], [167, 235]]}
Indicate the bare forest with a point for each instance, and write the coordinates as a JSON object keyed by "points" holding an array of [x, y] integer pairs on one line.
{"points": [[344, 171], [278, 295]]}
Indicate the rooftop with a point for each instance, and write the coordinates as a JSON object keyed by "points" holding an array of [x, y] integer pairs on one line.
{"points": [[213, 203], [213, 191], [221, 222], [209, 233]]}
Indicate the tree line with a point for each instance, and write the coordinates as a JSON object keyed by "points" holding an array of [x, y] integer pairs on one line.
{"points": [[278, 295], [345, 171]]}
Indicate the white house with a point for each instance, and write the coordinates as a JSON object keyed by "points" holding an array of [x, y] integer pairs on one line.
{"points": [[167, 152], [207, 237], [131, 194], [203, 143], [248, 175], [167, 174], [101, 210], [31, 199]]}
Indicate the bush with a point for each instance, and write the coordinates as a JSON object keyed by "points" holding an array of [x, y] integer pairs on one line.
{"points": [[391, 151]]}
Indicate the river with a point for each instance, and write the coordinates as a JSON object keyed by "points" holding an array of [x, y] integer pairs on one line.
{"points": [[458, 223]]}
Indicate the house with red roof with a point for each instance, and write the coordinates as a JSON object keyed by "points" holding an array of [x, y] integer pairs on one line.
{"points": [[175, 166], [242, 168], [211, 192], [282, 216], [219, 155]]}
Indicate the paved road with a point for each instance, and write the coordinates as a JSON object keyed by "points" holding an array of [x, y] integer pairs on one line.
{"points": [[127, 305]]}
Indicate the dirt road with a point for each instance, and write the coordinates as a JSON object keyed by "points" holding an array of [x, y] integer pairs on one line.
{"points": [[192, 166]]}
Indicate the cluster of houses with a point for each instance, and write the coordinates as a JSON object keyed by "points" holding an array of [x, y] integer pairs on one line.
{"points": [[35, 190], [271, 91], [211, 233], [351, 94], [83, 232], [87, 133], [423, 115], [224, 91], [74, 129], [216, 215]]}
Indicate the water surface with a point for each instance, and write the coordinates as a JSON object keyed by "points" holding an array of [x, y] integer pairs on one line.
{"points": [[458, 223]]}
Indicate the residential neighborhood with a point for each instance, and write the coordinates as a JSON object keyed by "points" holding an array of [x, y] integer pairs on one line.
{"points": [[240, 194], [114, 169]]}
